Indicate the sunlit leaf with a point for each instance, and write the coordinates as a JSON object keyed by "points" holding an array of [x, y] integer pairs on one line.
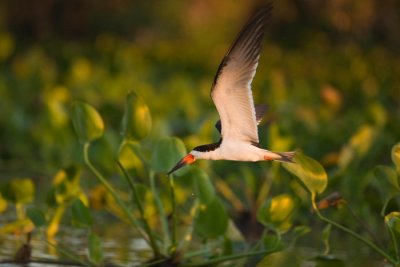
{"points": [[276, 213], [19, 191], [37, 217], [129, 155], [211, 220], [3, 204], [309, 171], [81, 216], [396, 156], [95, 248], [167, 152], [87, 122], [358, 145], [203, 187], [136, 122], [392, 220], [66, 185]]}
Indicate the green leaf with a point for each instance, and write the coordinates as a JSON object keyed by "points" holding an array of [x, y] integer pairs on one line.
{"points": [[203, 187], [95, 248], [273, 242], [276, 213], [3, 204], [136, 122], [87, 122], [19, 191], [129, 155], [387, 180], [168, 151], [392, 220], [396, 156], [211, 220], [81, 216], [37, 217], [309, 171]]}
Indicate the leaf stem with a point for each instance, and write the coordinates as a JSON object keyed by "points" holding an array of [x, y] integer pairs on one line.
{"points": [[174, 217], [136, 201], [111, 190], [352, 233], [394, 241], [160, 209]]}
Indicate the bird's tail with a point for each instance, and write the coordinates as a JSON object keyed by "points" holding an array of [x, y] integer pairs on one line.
{"points": [[285, 157]]}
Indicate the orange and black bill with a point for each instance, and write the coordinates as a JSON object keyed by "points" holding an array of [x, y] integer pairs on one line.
{"points": [[188, 159]]}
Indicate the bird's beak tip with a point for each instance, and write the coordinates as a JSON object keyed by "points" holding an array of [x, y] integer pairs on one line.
{"points": [[188, 159]]}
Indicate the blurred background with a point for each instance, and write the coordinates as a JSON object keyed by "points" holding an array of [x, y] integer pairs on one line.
{"points": [[327, 69], [329, 73]]}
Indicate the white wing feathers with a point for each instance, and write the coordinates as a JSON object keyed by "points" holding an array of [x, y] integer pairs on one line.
{"points": [[231, 91]]}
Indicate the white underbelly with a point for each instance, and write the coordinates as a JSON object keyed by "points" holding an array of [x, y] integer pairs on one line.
{"points": [[240, 152]]}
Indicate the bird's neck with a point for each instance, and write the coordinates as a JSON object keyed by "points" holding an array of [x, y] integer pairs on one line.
{"points": [[210, 155]]}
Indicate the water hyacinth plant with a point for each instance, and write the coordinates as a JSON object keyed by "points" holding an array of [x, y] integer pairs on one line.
{"points": [[191, 224]]}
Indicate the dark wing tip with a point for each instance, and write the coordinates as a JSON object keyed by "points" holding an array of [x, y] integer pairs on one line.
{"points": [[249, 39]]}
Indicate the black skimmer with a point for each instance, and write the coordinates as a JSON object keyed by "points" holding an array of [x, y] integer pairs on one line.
{"points": [[232, 96]]}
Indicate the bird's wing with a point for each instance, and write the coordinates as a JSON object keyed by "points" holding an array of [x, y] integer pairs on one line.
{"points": [[260, 111], [231, 90]]}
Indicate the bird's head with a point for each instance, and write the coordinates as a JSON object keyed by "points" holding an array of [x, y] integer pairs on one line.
{"points": [[186, 160]]}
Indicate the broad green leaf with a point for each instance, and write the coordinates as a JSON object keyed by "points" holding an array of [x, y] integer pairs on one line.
{"points": [[203, 187], [87, 122], [136, 122], [167, 152], [37, 217], [95, 248], [19, 191], [211, 220], [392, 220], [396, 156], [387, 180], [309, 171], [276, 213], [81, 216]]}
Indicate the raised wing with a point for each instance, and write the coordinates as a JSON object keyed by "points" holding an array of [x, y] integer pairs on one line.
{"points": [[260, 111], [231, 90]]}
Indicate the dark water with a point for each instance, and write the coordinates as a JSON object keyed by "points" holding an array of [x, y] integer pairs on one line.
{"points": [[121, 246]]}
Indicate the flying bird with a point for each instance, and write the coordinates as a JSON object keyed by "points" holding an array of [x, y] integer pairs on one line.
{"points": [[232, 96]]}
